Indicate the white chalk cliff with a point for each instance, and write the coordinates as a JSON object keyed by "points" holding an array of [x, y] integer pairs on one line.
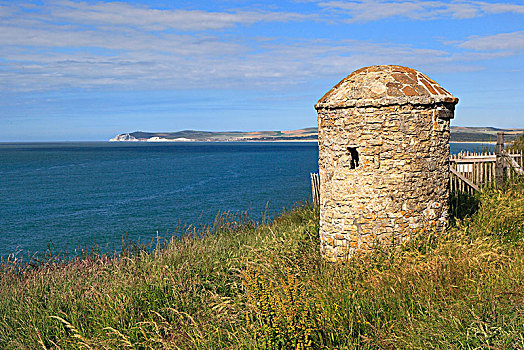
{"points": [[124, 137]]}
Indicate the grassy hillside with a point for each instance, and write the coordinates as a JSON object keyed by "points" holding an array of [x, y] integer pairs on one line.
{"points": [[482, 134], [240, 286], [302, 134]]}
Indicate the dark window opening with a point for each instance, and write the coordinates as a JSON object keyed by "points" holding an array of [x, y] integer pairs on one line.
{"points": [[354, 157]]}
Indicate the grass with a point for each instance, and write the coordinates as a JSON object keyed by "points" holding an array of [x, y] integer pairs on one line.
{"points": [[240, 286]]}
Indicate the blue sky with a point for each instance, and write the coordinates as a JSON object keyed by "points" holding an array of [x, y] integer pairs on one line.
{"points": [[87, 70]]}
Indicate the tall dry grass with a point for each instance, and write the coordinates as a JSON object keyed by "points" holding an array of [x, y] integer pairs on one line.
{"points": [[241, 286]]}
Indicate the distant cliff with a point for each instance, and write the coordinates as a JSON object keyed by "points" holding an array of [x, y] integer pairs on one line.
{"points": [[458, 134], [308, 134], [124, 137]]}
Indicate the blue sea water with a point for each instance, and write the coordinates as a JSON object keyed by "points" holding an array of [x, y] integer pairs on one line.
{"points": [[72, 195]]}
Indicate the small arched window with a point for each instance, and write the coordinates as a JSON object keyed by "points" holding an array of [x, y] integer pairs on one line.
{"points": [[354, 157]]}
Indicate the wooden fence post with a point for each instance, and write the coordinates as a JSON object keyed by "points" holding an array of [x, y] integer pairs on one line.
{"points": [[499, 163], [315, 188]]}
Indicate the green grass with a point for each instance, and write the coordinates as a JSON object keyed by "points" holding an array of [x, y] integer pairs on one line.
{"points": [[237, 286]]}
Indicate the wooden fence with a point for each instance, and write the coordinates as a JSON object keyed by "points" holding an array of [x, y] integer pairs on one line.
{"points": [[470, 171]]}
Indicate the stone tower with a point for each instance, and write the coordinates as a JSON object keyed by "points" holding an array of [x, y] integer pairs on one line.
{"points": [[383, 159]]}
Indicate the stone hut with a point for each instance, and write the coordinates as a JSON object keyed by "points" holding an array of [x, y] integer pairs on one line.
{"points": [[383, 159]]}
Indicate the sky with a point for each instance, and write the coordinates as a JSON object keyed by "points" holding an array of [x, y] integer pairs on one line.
{"points": [[88, 70]]}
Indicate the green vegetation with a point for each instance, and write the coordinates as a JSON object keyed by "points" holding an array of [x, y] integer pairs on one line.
{"points": [[481, 134], [292, 135], [518, 143], [238, 286]]}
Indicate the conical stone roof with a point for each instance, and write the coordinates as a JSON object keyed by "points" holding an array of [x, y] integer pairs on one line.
{"points": [[385, 85]]}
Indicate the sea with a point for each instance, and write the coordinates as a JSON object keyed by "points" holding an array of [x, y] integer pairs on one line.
{"points": [[70, 197]]}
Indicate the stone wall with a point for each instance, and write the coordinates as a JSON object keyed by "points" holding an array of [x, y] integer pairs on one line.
{"points": [[400, 186]]}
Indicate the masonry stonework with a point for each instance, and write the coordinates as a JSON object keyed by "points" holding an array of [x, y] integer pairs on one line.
{"points": [[383, 159]]}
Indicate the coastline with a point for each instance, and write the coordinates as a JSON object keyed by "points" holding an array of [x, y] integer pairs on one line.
{"points": [[472, 135]]}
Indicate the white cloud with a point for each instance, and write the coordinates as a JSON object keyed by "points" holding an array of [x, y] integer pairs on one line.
{"points": [[504, 42], [53, 36], [160, 63], [4, 11], [77, 44], [122, 14], [110, 44], [373, 10], [501, 8]]}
